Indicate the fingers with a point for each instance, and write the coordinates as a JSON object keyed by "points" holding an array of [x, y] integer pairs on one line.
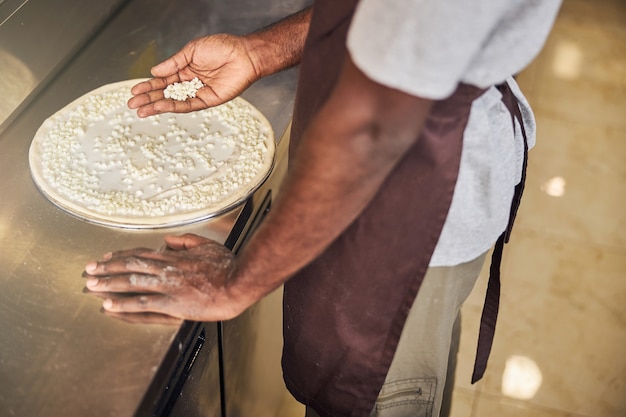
{"points": [[150, 91], [148, 262], [129, 294], [175, 63], [186, 241], [153, 102], [145, 94], [132, 283], [144, 260], [176, 106], [154, 303], [113, 302], [153, 84], [145, 98], [133, 307]]}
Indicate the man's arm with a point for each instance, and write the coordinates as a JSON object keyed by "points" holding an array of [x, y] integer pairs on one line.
{"points": [[226, 64], [280, 45], [352, 145]]}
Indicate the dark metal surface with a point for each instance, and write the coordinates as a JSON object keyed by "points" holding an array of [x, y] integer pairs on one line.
{"points": [[59, 355], [36, 40]]}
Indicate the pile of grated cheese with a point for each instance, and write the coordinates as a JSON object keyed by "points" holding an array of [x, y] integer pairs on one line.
{"points": [[183, 90]]}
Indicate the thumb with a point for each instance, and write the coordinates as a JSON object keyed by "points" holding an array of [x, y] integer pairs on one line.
{"points": [[173, 64]]}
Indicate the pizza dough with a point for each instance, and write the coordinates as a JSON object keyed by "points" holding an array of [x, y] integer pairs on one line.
{"points": [[97, 160]]}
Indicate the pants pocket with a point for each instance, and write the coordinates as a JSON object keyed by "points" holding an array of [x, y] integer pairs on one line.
{"points": [[406, 398]]}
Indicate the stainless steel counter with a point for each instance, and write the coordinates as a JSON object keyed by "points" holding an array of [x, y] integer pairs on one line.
{"points": [[59, 355]]}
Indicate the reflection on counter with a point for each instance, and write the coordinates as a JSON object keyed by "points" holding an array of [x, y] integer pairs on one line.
{"points": [[36, 38], [16, 83]]}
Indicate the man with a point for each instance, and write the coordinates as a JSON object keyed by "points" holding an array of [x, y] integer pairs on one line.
{"points": [[396, 100]]}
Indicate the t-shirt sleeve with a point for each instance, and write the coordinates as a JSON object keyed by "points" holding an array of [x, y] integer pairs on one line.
{"points": [[421, 47]]}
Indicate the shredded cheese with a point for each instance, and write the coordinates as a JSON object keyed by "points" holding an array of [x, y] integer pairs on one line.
{"points": [[183, 90]]}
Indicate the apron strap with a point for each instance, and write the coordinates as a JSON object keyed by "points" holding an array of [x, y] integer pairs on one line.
{"points": [[492, 298]]}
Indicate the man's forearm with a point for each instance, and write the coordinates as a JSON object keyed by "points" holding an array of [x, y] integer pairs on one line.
{"points": [[280, 45], [352, 145]]}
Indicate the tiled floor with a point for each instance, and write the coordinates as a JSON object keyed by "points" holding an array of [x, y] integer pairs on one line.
{"points": [[562, 326], [560, 347]]}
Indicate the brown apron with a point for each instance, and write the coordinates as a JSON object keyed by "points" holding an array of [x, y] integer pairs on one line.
{"points": [[344, 313]]}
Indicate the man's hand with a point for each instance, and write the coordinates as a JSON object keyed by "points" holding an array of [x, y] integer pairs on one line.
{"points": [[190, 278], [226, 64], [222, 62]]}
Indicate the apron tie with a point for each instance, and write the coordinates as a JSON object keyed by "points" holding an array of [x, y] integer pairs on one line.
{"points": [[492, 298]]}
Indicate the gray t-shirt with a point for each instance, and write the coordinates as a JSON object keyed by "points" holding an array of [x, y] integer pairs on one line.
{"points": [[425, 48]]}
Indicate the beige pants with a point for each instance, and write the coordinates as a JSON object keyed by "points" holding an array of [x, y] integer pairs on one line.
{"points": [[421, 377]]}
